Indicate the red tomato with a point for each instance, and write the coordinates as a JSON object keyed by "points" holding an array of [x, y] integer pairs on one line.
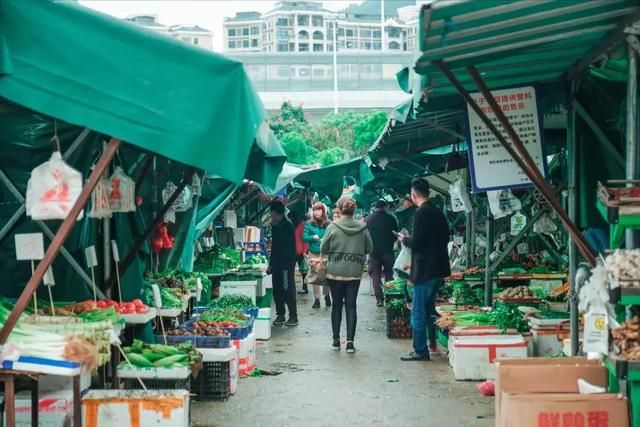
{"points": [[102, 304], [142, 309], [137, 302], [111, 303]]}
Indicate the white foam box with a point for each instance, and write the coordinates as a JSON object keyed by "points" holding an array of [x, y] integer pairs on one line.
{"points": [[242, 287], [262, 325], [545, 340], [55, 409], [160, 408], [267, 283], [475, 356], [59, 382], [246, 354], [473, 331]]}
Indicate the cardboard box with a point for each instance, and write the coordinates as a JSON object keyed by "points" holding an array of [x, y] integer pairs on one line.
{"points": [[546, 375], [566, 409]]}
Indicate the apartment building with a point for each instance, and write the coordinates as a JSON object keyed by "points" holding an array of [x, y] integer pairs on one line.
{"points": [[191, 34], [305, 26]]}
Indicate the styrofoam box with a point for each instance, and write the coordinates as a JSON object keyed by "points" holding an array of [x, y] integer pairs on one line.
{"points": [[473, 331], [262, 324], [545, 340], [248, 288], [267, 283], [246, 354], [177, 373], [159, 408], [475, 356], [59, 382], [55, 409]]}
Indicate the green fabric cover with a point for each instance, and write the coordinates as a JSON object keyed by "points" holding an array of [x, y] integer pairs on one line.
{"points": [[114, 77]]}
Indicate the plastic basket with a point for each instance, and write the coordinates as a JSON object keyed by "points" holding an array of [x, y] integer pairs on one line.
{"points": [[398, 323], [213, 383], [157, 384], [198, 341], [239, 333]]}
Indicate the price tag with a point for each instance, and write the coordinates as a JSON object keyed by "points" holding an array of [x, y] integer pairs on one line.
{"points": [[48, 278], [90, 256], [157, 300], [29, 246], [198, 289], [458, 240], [503, 237], [114, 250], [522, 249]]}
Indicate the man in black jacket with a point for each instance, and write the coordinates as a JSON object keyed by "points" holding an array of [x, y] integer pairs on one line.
{"points": [[381, 227], [429, 266], [282, 265]]}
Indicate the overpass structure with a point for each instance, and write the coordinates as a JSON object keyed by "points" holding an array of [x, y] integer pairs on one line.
{"points": [[365, 80]]}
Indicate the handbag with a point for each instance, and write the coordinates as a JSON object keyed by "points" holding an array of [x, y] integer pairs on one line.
{"points": [[317, 271]]}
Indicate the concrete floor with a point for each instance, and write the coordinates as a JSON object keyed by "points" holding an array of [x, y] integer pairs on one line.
{"points": [[320, 387]]}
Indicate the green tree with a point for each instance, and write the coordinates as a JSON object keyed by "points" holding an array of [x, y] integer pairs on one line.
{"points": [[298, 149]]}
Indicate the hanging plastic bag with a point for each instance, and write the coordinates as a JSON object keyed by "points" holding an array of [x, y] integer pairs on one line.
{"points": [[183, 203], [100, 202], [518, 223], [545, 224], [122, 191], [53, 189], [196, 185], [503, 203], [402, 266], [460, 201]]}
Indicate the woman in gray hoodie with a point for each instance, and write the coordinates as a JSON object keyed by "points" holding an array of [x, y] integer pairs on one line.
{"points": [[346, 243]]}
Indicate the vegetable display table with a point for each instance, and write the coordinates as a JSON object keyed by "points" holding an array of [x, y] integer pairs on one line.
{"points": [[8, 377]]}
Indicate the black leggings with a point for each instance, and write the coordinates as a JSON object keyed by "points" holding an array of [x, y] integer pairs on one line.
{"points": [[344, 293]]}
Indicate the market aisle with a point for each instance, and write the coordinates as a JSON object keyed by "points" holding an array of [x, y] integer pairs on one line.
{"points": [[319, 387]]}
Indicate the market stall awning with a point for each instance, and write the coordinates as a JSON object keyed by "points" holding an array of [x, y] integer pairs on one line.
{"points": [[329, 180], [111, 76], [516, 42]]}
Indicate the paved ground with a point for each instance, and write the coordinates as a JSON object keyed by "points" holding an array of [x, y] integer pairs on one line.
{"points": [[319, 387]]}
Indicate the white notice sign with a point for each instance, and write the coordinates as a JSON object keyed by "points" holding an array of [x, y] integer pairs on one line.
{"points": [[492, 168], [29, 246]]}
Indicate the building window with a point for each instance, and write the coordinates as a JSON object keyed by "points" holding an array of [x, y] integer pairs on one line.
{"points": [[292, 47], [186, 39], [367, 45], [231, 32], [245, 31], [318, 48], [303, 47], [282, 72], [304, 72], [350, 45], [394, 46], [282, 47], [341, 31], [232, 44], [245, 43], [303, 20], [377, 34], [303, 35], [255, 31], [317, 20], [349, 33], [282, 22], [317, 35], [365, 33], [394, 32], [377, 46], [318, 73], [254, 43], [282, 34], [196, 41]]}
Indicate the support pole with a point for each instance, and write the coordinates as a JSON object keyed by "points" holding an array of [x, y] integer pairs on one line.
{"points": [[632, 131], [521, 156], [572, 207], [488, 278], [467, 238], [60, 237], [133, 252], [106, 241]]}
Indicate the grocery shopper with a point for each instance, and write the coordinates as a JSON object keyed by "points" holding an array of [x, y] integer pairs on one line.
{"points": [[282, 265], [382, 226], [336, 215], [302, 247], [429, 266], [314, 231], [346, 244]]}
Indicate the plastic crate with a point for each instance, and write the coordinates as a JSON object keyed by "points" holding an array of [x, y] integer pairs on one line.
{"points": [[213, 383], [198, 341], [239, 333], [157, 384], [401, 319]]}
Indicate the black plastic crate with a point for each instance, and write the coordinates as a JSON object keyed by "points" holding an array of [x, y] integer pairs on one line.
{"points": [[399, 323], [157, 384], [213, 383], [199, 341]]}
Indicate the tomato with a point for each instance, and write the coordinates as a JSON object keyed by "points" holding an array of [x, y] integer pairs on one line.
{"points": [[138, 302], [102, 304], [142, 309], [110, 303]]}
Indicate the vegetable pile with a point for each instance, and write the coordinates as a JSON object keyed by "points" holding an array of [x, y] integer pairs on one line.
{"points": [[143, 355], [217, 260], [133, 307], [450, 319], [210, 332], [257, 260], [463, 294], [398, 324], [626, 339], [221, 318], [236, 301], [519, 292], [506, 316]]}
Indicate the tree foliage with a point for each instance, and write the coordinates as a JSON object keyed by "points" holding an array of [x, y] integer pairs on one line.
{"points": [[337, 137]]}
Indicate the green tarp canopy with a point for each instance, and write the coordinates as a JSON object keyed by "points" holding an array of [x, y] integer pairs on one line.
{"points": [[329, 181], [116, 78]]}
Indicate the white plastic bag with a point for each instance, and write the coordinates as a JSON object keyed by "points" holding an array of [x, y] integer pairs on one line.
{"points": [[545, 224], [460, 201], [596, 332], [122, 191], [183, 203], [99, 201], [402, 266], [518, 223], [53, 189], [503, 203]]}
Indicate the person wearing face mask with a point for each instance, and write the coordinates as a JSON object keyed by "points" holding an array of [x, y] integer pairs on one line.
{"points": [[429, 266], [314, 231], [337, 214]]}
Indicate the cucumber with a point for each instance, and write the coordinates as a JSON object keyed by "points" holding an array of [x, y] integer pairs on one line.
{"points": [[153, 357], [127, 350], [139, 360], [169, 360], [164, 349]]}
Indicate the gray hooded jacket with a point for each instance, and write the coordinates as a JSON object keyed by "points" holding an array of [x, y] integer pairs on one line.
{"points": [[346, 243]]}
